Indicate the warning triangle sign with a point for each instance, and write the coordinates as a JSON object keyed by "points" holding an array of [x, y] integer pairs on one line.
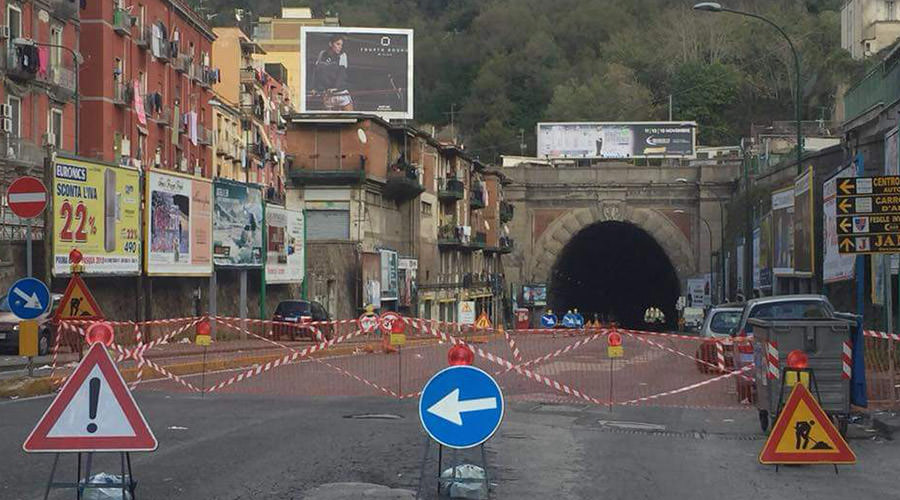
{"points": [[78, 303], [803, 434], [94, 411], [482, 322]]}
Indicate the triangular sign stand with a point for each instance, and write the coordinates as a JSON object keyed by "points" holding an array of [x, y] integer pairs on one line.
{"points": [[78, 303], [803, 434], [93, 412]]}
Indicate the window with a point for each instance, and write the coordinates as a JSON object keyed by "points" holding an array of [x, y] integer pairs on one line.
{"points": [[14, 21], [15, 115], [328, 224], [56, 38], [54, 128], [426, 209]]}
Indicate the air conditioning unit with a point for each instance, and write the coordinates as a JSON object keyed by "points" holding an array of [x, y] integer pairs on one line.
{"points": [[7, 125], [5, 110], [4, 32]]}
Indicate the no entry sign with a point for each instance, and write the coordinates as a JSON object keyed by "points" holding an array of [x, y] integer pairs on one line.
{"points": [[27, 197]]}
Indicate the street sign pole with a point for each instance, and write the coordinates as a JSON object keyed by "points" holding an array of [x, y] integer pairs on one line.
{"points": [[28, 249]]}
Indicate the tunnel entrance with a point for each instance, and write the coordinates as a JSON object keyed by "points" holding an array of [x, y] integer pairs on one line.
{"points": [[616, 271]]}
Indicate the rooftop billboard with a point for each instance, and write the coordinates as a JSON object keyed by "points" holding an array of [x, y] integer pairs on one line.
{"points": [[617, 140]]}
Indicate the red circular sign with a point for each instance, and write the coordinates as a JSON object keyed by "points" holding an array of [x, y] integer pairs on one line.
{"points": [[368, 324], [100, 331], [460, 355], [797, 359], [614, 339], [387, 321], [27, 197]]}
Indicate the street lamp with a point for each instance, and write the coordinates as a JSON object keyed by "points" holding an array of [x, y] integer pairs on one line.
{"points": [[713, 291], [76, 58], [717, 7]]}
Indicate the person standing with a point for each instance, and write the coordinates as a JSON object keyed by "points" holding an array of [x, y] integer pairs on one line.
{"points": [[330, 76]]}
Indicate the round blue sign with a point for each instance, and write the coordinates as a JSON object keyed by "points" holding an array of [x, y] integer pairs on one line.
{"points": [[28, 298], [548, 320], [461, 406]]}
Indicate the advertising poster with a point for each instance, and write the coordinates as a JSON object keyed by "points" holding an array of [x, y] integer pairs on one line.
{"points": [[389, 275], [178, 225], [757, 283], [698, 292], [892, 152], [783, 231], [534, 295], [96, 209], [466, 312], [836, 266], [284, 245], [408, 268], [765, 251], [371, 276], [237, 225], [357, 70], [739, 262], [803, 223], [617, 140]]}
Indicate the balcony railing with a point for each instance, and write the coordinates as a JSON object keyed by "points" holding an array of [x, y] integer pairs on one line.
{"points": [[402, 183], [63, 78], [204, 135], [479, 240], [506, 211], [450, 236], [881, 85], [122, 21], [476, 198], [122, 94], [64, 9], [506, 244], [15, 67], [275, 196], [183, 63], [164, 117], [21, 151], [450, 189], [144, 37]]}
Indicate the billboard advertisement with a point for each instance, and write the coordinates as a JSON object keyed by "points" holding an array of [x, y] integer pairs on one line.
{"points": [[284, 245], [614, 140], [178, 225], [389, 275], [357, 70], [765, 251], [237, 225], [783, 231], [803, 223], [96, 209], [534, 295], [739, 262], [892, 152], [836, 266]]}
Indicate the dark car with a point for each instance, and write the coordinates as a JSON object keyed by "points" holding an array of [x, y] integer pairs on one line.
{"points": [[9, 328], [292, 318]]}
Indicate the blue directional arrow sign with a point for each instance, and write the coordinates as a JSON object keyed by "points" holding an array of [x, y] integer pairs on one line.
{"points": [[461, 406], [548, 320], [28, 298]]}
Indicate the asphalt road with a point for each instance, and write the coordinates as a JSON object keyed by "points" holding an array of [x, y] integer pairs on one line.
{"points": [[240, 446]]}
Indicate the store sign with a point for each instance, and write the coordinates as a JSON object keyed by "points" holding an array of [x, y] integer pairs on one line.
{"points": [[96, 209]]}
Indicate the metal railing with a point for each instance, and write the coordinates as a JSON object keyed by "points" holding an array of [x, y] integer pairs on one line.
{"points": [[451, 188], [881, 85], [62, 76], [506, 211], [121, 93], [122, 21], [21, 150], [14, 66]]}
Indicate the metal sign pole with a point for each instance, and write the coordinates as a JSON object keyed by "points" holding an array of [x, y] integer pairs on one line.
{"points": [[28, 248]]}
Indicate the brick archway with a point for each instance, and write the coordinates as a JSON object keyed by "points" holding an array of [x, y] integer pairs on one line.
{"points": [[557, 235]]}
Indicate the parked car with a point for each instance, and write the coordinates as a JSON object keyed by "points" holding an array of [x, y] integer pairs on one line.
{"points": [[300, 312], [720, 326], [693, 318], [9, 327], [775, 307]]}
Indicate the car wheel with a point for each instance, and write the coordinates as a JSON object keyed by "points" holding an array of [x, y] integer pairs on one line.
{"points": [[44, 343]]}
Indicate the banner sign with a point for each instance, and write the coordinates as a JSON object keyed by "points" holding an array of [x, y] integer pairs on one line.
{"points": [[96, 209], [739, 258], [804, 260], [178, 225], [868, 214], [357, 70], [534, 295], [836, 267], [783, 231], [284, 245], [237, 225], [389, 278], [617, 140]]}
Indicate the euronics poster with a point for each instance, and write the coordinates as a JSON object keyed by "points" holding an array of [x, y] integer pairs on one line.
{"points": [[803, 223], [783, 231], [616, 140], [284, 257], [835, 267], [178, 225], [357, 70], [96, 209], [237, 225]]}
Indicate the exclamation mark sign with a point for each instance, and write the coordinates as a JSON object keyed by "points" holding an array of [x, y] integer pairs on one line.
{"points": [[94, 399]]}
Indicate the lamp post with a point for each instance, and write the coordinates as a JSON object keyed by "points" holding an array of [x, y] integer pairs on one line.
{"points": [[76, 59], [717, 7]]}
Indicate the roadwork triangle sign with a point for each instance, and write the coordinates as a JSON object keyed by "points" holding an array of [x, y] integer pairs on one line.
{"points": [[78, 302], [94, 411], [482, 322], [803, 434]]}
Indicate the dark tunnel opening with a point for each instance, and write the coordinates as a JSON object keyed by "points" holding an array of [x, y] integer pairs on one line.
{"points": [[616, 271]]}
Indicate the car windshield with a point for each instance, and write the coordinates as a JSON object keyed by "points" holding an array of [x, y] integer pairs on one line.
{"points": [[800, 309], [724, 322], [4, 305], [292, 308]]}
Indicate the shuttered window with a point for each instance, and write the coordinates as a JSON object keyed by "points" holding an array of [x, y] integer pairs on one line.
{"points": [[328, 224]]}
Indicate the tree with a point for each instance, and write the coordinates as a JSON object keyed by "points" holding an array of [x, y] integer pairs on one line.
{"points": [[614, 95]]}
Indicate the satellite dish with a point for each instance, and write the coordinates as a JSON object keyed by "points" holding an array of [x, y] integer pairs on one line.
{"points": [[362, 135]]}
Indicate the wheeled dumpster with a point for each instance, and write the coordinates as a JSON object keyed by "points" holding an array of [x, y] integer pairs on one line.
{"points": [[822, 339]]}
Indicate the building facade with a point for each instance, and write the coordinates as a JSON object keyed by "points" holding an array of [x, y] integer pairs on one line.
{"points": [[868, 26]]}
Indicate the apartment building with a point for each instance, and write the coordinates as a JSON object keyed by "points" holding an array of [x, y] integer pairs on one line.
{"points": [[868, 26], [147, 85]]}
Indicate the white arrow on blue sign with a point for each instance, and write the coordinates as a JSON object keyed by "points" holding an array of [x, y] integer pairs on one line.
{"points": [[28, 298], [461, 406]]}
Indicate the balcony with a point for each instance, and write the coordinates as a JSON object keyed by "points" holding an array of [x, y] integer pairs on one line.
{"points": [[450, 189], [476, 198], [122, 21], [250, 76], [64, 9], [322, 169], [204, 135], [163, 118], [15, 67], [222, 145], [506, 244], [402, 183], [208, 76], [450, 236], [275, 196], [122, 94], [183, 63], [21, 151], [479, 240], [506, 212], [62, 81], [143, 38]]}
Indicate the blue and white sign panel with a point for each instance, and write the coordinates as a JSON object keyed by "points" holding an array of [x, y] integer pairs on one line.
{"points": [[548, 321], [461, 406], [28, 298]]}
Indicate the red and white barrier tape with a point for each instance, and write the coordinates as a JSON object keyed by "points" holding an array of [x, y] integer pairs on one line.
{"points": [[846, 361], [556, 353], [881, 335], [512, 346], [690, 387], [720, 356], [641, 338], [774, 369]]}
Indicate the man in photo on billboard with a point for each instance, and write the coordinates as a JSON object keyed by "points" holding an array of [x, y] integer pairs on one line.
{"points": [[330, 76]]}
